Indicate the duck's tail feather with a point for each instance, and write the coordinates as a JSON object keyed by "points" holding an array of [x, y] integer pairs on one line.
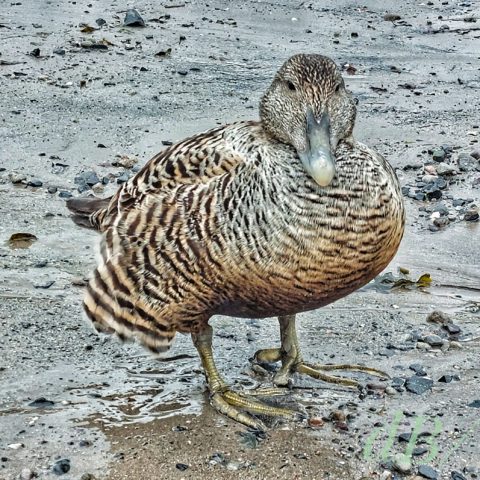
{"points": [[88, 212]]}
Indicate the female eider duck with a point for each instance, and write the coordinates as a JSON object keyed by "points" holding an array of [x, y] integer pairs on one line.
{"points": [[254, 219]]}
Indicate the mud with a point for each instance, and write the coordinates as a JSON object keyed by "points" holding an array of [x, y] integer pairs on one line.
{"points": [[116, 410]]}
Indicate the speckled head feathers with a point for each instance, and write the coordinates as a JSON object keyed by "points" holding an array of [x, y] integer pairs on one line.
{"points": [[307, 81]]}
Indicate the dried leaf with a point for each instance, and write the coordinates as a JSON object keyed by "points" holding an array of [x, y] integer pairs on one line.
{"points": [[87, 29], [22, 240]]}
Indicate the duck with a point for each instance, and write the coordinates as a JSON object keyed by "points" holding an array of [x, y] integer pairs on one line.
{"points": [[254, 219]]}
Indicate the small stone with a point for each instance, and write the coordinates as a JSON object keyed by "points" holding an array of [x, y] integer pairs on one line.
{"points": [[65, 194], [402, 463], [41, 402], [16, 446], [85, 443], [438, 155], [456, 475], [16, 178], [35, 53], [441, 222], [133, 19], [427, 472], [52, 190], [418, 369], [417, 451], [466, 162], [448, 378], [452, 329], [87, 476], [475, 404], [27, 474], [471, 215], [433, 340], [35, 183], [100, 21], [61, 466], [456, 345], [181, 466], [390, 391], [444, 169], [59, 51], [337, 416], [422, 346], [418, 385], [475, 154], [404, 437]]}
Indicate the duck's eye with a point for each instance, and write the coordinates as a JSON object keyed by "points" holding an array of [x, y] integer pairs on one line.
{"points": [[291, 86]]}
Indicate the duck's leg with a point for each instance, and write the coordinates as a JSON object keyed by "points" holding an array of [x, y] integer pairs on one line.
{"points": [[292, 361], [225, 400]]}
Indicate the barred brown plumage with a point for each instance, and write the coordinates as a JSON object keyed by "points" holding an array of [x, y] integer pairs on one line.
{"points": [[252, 219]]}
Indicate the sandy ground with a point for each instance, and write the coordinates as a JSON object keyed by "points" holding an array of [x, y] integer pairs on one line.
{"points": [[116, 412]]}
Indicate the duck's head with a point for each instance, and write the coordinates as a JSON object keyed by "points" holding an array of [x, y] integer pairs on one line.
{"points": [[308, 107]]}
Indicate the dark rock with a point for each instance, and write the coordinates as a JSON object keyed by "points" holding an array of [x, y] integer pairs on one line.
{"points": [[404, 437], [100, 22], [475, 154], [88, 179], [417, 451], [61, 466], [398, 383], [452, 329], [181, 466], [475, 404], [59, 51], [418, 369], [101, 145], [432, 191], [35, 53], [182, 72], [41, 402], [433, 340], [418, 385], [456, 475], [471, 215], [448, 378], [123, 178], [35, 183], [427, 472], [439, 154], [52, 189], [65, 194], [85, 443], [441, 222], [133, 19], [87, 476]]}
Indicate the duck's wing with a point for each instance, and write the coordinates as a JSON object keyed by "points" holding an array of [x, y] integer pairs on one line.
{"points": [[195, 160]]}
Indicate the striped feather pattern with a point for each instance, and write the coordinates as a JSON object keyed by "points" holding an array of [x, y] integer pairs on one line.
{"points": [[228, 222]]}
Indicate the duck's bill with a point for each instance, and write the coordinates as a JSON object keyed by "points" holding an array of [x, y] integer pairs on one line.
{"points": [[318, 159]]}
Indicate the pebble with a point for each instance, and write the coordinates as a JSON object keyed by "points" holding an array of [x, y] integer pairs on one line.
{"points": [[471, 215], [441, 222], [61, 466], [444, 169], [86, 180], [418, 385], [418, 369], [181, 466], [35, 183], [17, 178], [87, 476], [422, 346], [448, 378], [133, 19], [456, 345], [452, 329], [466, 162], [427, 472], [456, 475], [16, 446], [433, 340], [315, 422], [474, 404], [402, 463], [41, 402], [439, 154], [59, 51], [52, 189], [27, 474], [417, 451], [65, 194], [390, 391]]}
